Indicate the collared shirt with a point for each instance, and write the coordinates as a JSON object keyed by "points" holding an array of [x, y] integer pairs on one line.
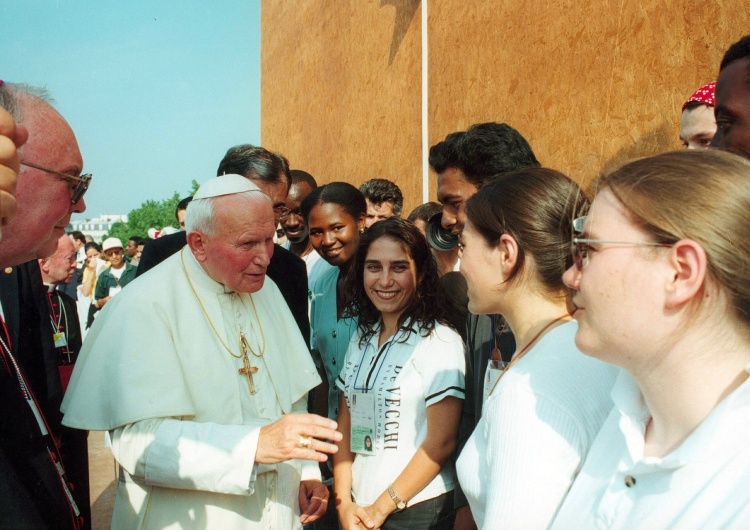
{"points": [[329, 335], [701, 484], [407, 374]]}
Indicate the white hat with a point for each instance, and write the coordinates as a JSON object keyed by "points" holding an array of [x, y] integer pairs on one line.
{"points": [[111, 242], [224, 185], [167, 230]]}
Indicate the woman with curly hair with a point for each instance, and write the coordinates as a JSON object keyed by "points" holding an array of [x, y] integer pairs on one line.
{"points": [[402, 386]]}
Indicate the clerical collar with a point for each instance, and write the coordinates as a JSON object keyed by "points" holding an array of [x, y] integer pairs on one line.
{"points": [[50, 288]]}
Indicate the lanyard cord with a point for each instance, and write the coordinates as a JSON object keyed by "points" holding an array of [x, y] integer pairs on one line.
{"points": [[53, 451], [384, 352]]}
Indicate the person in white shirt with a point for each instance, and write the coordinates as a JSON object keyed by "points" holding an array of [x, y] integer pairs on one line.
{"points": [[206, 416], [546, 406], [402, 387], [662, 289]]}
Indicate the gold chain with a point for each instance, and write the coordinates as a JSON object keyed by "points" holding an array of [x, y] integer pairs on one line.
{"points": [[244, 344]]}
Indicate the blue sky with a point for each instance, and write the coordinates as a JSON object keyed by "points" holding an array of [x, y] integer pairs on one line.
{"points": [[156, 91]]}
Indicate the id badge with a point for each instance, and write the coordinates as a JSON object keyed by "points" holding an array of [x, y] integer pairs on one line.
{"points": [[114, 290], [362, 412], [491, 375], [60, 339]]}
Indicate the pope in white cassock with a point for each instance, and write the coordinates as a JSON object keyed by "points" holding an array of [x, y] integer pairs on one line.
{"points": [[206, 411]]}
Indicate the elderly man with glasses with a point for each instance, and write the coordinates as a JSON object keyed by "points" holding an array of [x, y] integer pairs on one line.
{"points": [[35, 449]]}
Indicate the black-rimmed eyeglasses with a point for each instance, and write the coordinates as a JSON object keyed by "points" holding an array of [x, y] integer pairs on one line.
{"points": [[79, 185]]}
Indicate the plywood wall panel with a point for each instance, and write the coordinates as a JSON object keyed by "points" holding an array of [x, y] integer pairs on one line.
{"points": [[341, 89], [588, 83]]}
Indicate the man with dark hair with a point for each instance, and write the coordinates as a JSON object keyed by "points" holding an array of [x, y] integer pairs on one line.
{"points": [[294, 225], [443, 154], [131, 249], [179, 212], [270, 172], [384, 200], [447, 260], [260, 164], [732, 108], [465, 162], [34, 486], [422, 213], [79, 241]]}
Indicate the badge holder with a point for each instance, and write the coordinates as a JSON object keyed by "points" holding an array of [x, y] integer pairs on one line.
{"points": [[362, 412]]}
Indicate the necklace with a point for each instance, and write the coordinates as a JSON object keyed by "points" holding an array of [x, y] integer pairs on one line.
{"points": [[527, 348], [246, 370]]}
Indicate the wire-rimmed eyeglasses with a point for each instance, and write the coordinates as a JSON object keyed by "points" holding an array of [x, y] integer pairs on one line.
{"points": [[281, 212], [79, 185], [579, 248]]}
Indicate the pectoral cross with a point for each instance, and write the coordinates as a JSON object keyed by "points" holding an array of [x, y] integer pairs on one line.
{"points": [[247, 369]]}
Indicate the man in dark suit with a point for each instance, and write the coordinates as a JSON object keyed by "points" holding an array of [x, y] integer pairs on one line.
{"points": [[270, 172], [34, 487], [65, 330]]}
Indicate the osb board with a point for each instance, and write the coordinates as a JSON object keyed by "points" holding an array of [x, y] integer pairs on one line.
{"points": [[589, 84], [341, 84]]}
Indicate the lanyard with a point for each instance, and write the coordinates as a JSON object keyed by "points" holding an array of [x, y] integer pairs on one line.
{"points": [[384, 349], [52, 450]]}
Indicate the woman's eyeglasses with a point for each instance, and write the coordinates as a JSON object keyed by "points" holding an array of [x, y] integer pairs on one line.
{"points": [[579, 248]]}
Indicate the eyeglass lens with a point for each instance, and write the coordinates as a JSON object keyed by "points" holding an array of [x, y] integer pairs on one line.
{"points": [[579, 254]]}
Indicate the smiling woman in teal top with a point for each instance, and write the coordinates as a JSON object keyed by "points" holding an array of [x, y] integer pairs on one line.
{"points": [[335, 215]]}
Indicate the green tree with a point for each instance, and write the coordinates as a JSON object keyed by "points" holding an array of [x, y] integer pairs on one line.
{"points": [[151, 214]]}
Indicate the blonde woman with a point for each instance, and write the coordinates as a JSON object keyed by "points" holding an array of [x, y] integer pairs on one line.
{"points": [[662, 289]]}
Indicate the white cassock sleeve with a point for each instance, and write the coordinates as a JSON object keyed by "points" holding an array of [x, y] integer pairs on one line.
{"points": [[180, 454]]}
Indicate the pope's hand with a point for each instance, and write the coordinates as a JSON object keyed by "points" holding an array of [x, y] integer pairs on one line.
{"points": [[313, 500], [11, 138], [297, 436]]}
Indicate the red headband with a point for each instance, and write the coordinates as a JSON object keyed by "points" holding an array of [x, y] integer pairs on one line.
{"points": [[704, 95]]}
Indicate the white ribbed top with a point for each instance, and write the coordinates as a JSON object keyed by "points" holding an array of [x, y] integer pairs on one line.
{"points": [[535, 431]]}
